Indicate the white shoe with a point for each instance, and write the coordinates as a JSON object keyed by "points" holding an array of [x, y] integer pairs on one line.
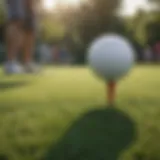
{"points": [[13, 67], [31, 68]]}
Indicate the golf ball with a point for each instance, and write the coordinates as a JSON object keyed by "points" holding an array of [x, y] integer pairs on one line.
{"points": [[111, 56]]}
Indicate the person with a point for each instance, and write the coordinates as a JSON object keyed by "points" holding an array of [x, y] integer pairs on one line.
{"points": [[55, 53], [45, 53], [20, 35], [156, 49], [148, 55]]}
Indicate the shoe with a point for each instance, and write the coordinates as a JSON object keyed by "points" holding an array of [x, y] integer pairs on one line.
{"points": [[13, 67]]}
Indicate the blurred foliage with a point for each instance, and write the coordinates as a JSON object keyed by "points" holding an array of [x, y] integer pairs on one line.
{"points": [[152, 30], [2, 13], [51, 28], [146, 24], [78, 26], [90, 20], [137, 24], [155, 4], [97, 17]]}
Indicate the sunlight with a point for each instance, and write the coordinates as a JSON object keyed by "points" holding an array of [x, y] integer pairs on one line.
{"points": [[131, 6], [72, 2], [50, 4], [128, 7]]}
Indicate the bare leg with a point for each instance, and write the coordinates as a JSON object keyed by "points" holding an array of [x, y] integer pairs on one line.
{"points": [[28, 49], [29, 43], [14, 39]]}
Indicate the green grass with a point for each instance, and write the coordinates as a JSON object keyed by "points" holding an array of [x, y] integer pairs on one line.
{"points": [[36, 111]]}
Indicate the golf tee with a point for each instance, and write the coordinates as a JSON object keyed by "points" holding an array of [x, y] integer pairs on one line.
{"points": [[111, 91]]}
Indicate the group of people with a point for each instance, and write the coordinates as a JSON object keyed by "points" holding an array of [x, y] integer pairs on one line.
{"points": [[54, 54], [152, 53], [20, 36]]}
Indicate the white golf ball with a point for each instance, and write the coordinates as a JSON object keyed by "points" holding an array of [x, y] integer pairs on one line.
{"points": [[111, 56]]}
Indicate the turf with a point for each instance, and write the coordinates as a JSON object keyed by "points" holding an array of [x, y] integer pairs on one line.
{"points": [[62, 113]]}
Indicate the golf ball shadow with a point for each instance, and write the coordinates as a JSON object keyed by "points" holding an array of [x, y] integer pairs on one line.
{"points": [[98, 135]]}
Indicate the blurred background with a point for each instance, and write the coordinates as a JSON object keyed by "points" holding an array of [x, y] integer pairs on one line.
{"points": [[67, 27]]}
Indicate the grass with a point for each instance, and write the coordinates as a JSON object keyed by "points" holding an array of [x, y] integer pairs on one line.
{"points": [[36, 111]]}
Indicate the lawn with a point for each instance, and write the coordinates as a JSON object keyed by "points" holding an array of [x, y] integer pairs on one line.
{"points": [[66, 108]]}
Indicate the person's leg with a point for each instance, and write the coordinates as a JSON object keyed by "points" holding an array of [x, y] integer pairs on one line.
{"points": [[14, 39], [29, 37], [29, 45], [28, 50], [14, 42], [14, 34]]}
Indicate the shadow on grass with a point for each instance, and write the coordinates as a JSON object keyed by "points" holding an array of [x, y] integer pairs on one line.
{"points": [[3, 157], [6, 85], [98, 135]]}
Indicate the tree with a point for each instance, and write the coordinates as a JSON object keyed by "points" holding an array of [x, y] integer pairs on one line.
{"points": [[91, 20], [96, 18], [153, 26], [155, 4], [51, 29], [139, 21], [153, 34], [2, 15]]}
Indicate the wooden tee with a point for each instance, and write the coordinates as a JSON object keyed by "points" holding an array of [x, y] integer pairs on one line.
{"points": [[111, 92]]}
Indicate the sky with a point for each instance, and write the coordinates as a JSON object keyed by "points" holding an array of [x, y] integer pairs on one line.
{"points": [[129, 6]]}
